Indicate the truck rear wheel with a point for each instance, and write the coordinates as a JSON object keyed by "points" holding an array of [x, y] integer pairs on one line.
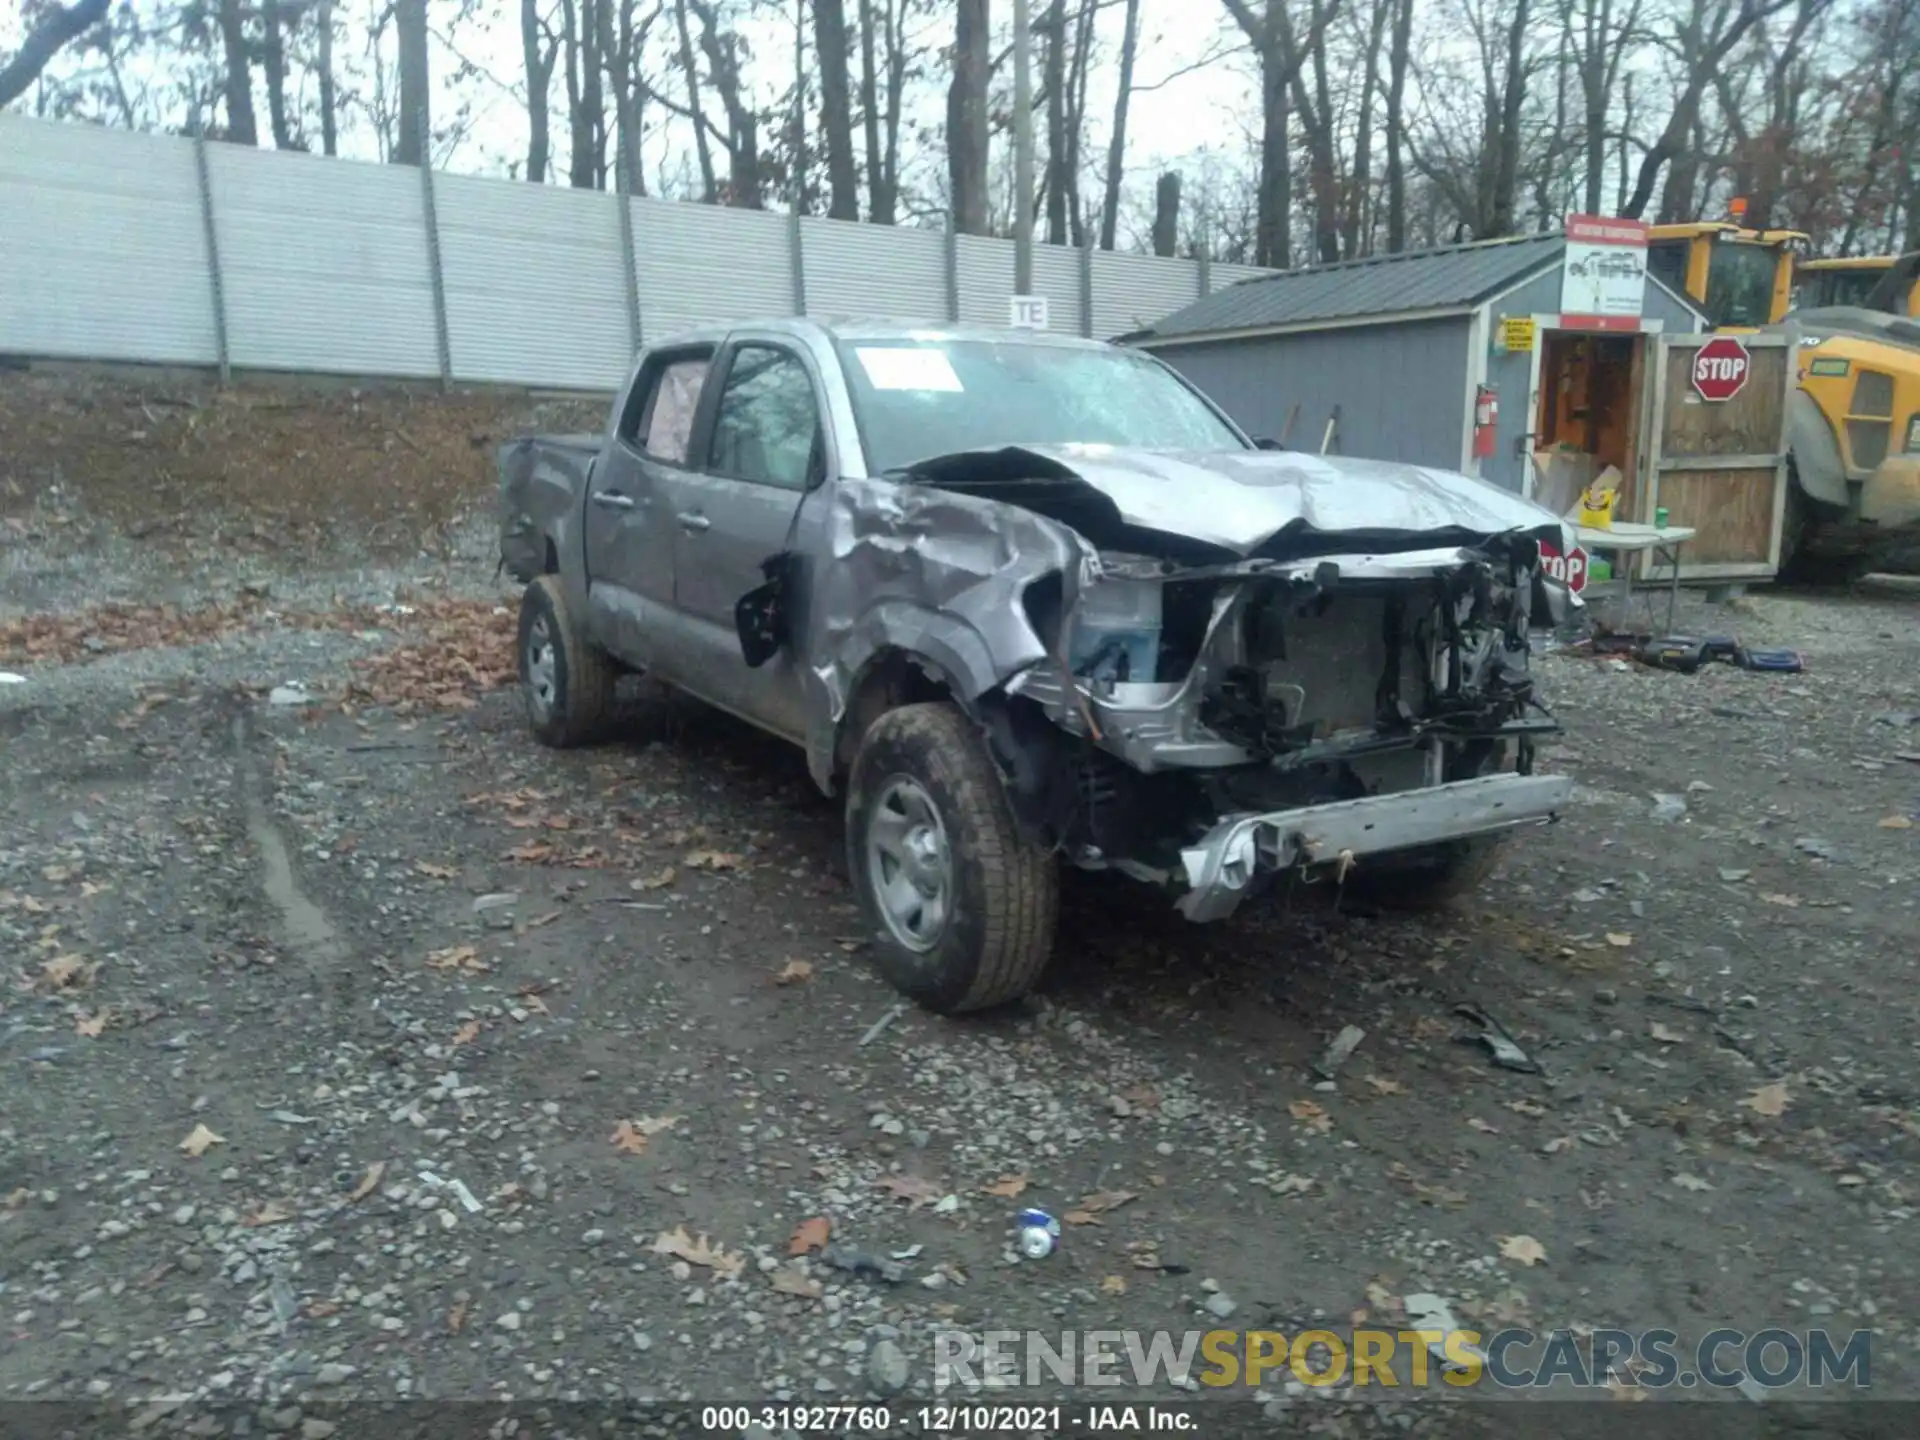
{"points": [[961, 905], [567, 680]]}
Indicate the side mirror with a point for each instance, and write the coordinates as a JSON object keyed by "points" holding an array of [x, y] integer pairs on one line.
{"points": [[1267, 442]]}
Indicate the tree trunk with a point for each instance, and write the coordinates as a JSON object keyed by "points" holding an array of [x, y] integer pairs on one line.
{"points": [[1316, 125], [870, 114], [722, 49], [60, 27], [1117, 145], [1399, 59], [967, 117], [1273, 223], [1357, 236], [538, 64], [238, 81], [1077, 71], [410, 29], [836, 106], [1166, 214], [1506, 171], [1053, 78], [273, 64], [690, 69], [329, 99]]}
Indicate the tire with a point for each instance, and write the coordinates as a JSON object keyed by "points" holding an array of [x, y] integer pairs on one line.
{"points": [[1801, 560], [1436, 878], [567, 681], [924, 793]]}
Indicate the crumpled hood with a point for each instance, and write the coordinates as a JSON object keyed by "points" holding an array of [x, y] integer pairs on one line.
{"points": [[1277, 503]]}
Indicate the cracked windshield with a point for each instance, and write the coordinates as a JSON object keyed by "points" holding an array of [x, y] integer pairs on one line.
{"points": [[921, 717]]}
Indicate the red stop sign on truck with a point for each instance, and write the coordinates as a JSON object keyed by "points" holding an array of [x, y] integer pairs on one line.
{"points": [[1720, 368]]}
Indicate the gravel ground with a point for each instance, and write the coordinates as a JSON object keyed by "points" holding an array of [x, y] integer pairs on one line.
{"points": [[351, 1054]]}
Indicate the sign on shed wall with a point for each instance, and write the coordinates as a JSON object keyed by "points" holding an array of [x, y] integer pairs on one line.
{"points": [[1604, 269]]}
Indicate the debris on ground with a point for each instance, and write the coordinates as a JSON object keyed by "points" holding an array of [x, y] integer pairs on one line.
{"points": [[1504, 1049]]}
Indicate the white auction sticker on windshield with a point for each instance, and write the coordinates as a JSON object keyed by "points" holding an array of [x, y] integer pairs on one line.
{"points": [[895, 367]]}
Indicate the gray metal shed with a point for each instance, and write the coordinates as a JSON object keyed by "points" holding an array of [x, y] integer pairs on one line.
{"points": [[1401, 343]]}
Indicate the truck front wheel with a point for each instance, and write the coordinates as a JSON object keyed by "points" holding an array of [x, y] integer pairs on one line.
{"points": [[961, 905], [567, 680]]}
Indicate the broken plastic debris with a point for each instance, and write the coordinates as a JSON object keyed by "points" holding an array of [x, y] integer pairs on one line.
{"points": [[1506, 1052], [459, 1188], [292, 693], [873, 1031], [1339, 1052], [7, 677], [1668, 807], [859, 1262], [1430, 1312]]}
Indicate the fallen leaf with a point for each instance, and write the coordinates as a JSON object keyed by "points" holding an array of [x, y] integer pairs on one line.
{"points": [[1768, 1100], [915, 1188], [90, 1026], [1526, 1107], [1897, 822], [1691, 1182], [1524, 1249], [712, 860], [1101, 1201], [1482, 1126], [1383, 1086], [1618, 940], [530, 854], [1114, 1285], [438, 872], [1557, 1144], [271, 1213], [1141, 1097], [200, 1139], [457, 1318], [463, 958], [1007, 1187], [655, 882], [67, 972], [1312, 1115], [789, 1280], [321, 1309], [467, 1033], [369, 1182], [632, 1135], [810, 1235], [678, 1243], [794, 972], [1666, 1035], [17, 1199], [1081, 1217], [1789, 901]]}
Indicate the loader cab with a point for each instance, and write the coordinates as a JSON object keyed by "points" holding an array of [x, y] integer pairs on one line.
{"points": [[1743, 279], [1826, 283], [1897, 289]]}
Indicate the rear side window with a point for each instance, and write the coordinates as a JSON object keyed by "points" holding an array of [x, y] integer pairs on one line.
{"points": [[659, 416]]}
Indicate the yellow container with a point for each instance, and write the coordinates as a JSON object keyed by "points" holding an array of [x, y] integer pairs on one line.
{"points": [[1596, 511]]}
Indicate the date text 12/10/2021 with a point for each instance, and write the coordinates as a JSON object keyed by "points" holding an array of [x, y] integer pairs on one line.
{"points": [[956, 1419]]}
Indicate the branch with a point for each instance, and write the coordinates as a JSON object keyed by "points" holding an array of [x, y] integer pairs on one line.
{"points": [[62, 27], [1212, 58]]}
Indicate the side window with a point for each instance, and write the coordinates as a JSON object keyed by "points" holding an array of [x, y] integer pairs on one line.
{"points": [[767, 427], [659, 416]]}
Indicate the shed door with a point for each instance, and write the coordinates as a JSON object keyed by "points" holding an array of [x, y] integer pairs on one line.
{"points": [[1720, 466]]}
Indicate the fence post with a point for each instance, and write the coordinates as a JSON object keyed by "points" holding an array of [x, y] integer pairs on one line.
{"points": [[797, 258], [431, 215], [214, 281], [1086, 287], [629, 260], [1205, 262], [953, 272]]}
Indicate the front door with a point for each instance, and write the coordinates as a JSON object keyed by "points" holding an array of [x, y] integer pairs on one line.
{"points": [[766, 450], [628, 524], [1717, 462]]}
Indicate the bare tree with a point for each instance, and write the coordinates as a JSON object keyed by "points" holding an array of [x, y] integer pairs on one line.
{"points": [[410, 30], [1117, 142], [1602, 34], [1399, 61], [1166, 213], [238, 88], [1474, 164], [883, 55], [329, 94], [836, 107], [539, 50], [967, 117]]}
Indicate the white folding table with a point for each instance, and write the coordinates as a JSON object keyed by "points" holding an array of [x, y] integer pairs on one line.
{"points": [[1663, 542]]}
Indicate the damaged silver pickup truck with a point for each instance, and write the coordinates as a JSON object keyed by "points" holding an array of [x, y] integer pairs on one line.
{"points": [[1025, 599]]}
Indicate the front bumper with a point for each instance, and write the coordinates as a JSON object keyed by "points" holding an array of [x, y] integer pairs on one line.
{"points": [[1222, 867]]}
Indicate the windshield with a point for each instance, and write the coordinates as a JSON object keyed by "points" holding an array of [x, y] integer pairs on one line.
{"points": [[1740, 285], [1837, 287], [916, 399]]}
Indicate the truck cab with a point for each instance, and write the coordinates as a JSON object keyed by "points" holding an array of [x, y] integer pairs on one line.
{"points": [[1742, 278]]}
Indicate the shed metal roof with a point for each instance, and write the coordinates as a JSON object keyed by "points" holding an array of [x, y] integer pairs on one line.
{"points": [[1453, 277]]}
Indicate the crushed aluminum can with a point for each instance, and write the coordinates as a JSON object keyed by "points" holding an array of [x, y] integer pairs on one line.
{"points": [[1039, 1233]]}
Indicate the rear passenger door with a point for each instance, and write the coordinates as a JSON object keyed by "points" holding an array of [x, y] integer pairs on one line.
{"points": [[628, 525], [765, 450]]}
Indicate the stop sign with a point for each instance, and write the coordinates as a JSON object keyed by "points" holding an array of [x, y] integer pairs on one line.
{"points": [[1569, 569], [1720, 368]]}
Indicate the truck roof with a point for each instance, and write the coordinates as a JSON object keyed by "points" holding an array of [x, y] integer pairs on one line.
{"points": [[829, 328]]}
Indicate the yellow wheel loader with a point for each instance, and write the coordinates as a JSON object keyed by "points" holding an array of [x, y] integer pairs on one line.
{"points": [[1853, 422]]}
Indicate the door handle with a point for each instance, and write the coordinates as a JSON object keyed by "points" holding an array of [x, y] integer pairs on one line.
{"points": [[693, 520], [612, 500]]}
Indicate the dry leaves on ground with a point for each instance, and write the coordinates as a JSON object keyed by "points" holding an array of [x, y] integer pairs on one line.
{"points": [[698, 1251], [200, 1140], [1114, 1285], [1769, 1100], [712, 860], [1007, 1187], [1523, 1250], [457, 650], [91, 1026], [791, 1280], [655, 882], [464, 959], [109, 629], [1897, 822], [631, 1136], [65, 972], [1383, 1086], [810, 1235], [369, 1182], [1092, 1207], [271, 1213], [467, 1033], [794, 972], [1618, 940], [916, 1189], [1313, 1116], [437, 872]]}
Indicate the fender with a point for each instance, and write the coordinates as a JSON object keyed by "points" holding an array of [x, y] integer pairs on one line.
{"points": [[1817, 466]]}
